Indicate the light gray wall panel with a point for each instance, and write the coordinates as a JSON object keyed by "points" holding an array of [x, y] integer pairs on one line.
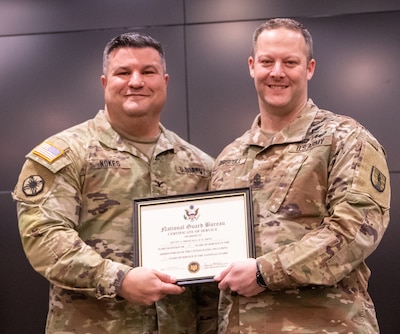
{"points": [[358, 72], [43, 16], [221, 95], [235, 10], [51, 82]]}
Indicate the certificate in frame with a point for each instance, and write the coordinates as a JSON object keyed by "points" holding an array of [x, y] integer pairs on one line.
{"points": [[194, 236]]}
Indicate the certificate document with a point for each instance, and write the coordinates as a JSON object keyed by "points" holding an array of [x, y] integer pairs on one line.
{"points": [[193, 237]]}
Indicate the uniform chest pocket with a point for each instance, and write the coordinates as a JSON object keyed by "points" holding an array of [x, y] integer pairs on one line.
{"points": [[277, 182], [104, 174]]}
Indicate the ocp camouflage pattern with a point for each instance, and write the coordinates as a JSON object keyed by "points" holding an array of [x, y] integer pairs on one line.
{"points": [[321, 196], [75, 201]]}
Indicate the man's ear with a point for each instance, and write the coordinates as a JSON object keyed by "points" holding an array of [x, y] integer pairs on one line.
{"points": [[310, 69], [103, 80], [250, 62]]}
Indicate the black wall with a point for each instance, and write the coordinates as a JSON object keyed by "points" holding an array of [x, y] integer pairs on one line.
{"points": [[50, 67]]}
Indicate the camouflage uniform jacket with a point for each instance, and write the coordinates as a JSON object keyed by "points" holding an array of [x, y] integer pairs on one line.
{"points": [[74, 201], [321, 199]]}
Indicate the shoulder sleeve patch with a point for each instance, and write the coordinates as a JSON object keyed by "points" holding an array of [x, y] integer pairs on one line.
{"points": [[51, 154], [373, 176], [34, 182], [48, 151]]}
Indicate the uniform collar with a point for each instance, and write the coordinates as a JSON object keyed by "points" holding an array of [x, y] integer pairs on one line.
{"points": [[294, 132], [112, 139]]}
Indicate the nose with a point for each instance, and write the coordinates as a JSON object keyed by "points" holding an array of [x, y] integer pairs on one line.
{"points": [[277, 70], [136, 80]]}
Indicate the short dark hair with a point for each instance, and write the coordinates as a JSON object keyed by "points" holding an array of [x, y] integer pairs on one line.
{"points": [[132, 40], [286, 23]]}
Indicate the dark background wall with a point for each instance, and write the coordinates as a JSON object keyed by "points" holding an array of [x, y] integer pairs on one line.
{"points": [[50, 67]]}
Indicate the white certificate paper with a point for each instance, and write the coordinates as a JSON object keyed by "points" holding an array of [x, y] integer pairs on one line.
{"points": [[194, 237]]}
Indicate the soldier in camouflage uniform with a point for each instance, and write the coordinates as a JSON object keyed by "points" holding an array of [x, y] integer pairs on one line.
{"points": [[74, 202], [321, 196]]}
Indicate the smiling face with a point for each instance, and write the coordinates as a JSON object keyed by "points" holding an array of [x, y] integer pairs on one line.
{"points": [[281, 71], [135, 87]]}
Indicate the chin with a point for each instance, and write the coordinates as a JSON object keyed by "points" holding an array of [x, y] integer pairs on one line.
{"points": [[277, 103]]}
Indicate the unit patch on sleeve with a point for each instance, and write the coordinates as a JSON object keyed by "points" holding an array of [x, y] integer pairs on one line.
{"points": [[373, 176], [34, 182], [33, 185], [378, 179], [47, 151]]}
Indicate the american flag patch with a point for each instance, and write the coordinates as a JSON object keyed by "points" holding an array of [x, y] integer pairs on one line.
{"points": [[47, 151]]}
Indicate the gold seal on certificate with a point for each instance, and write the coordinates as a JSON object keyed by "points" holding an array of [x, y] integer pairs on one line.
{"points": [[193, 237]]}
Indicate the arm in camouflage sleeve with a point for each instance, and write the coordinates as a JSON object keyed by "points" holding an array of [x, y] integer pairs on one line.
{"points": [[48, 211], [357, 201]]}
